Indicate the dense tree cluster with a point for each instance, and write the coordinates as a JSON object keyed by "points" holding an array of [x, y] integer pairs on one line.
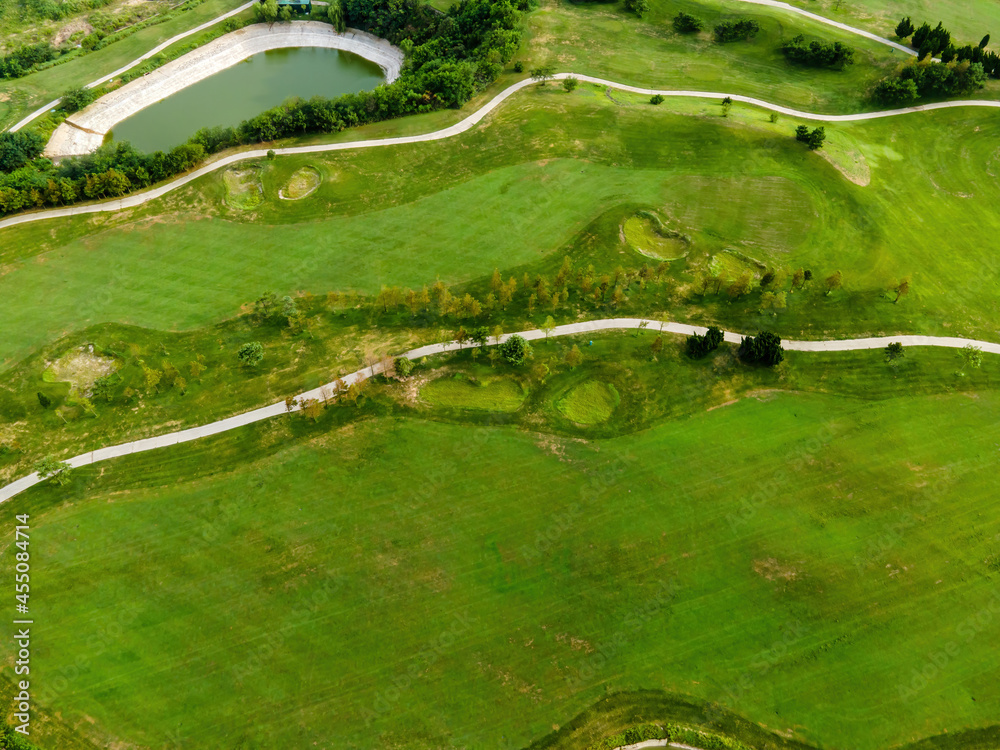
{"points": [[449, 58], [23, 60], [699, 346], [813, 138], [17, 149], [736, 31], [817, 54], [928, 41], [937, 42], [762, 349]]}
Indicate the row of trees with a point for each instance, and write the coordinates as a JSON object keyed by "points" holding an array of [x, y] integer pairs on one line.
{"points": [[736, 31]]}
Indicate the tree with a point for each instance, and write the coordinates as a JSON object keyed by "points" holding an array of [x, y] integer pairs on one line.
{"points": [[574, 358], [312, 408], [548, 326], [570, 84], [904, 28], [902, 289], [700, 345], [285, 14], [816, 138], [741, 286], [44, 400], [542, 73], [894, 353], [268, 10], [515, 349], [727, 104], [762, 349], [637, 6], [798, 277], [54, 468], [404, 366], [767, 278], [833, 282], [75, 99], [894, 91], [335, 13], [250, 354], [972, 356], [686, 24], [734, 31]]}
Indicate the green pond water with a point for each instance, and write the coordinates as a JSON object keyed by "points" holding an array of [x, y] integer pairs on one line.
{"points": [[247, 89]]}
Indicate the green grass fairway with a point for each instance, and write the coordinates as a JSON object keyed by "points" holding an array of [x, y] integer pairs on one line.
{"points": [[418, 584], [546, 168]]}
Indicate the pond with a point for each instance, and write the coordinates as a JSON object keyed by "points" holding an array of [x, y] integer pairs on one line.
{"points": [[245, 90]]}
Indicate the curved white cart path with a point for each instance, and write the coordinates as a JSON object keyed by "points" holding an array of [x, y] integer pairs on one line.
{"points": [[605, 324], [137, 199], [155, 51]]}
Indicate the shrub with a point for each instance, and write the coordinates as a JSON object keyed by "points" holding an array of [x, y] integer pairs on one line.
{"points": [[75, 99], [894, 91], [570, 84], [699, 346], [735, 31], [519, 67], [404, 366], [19, 148], [762, 349], [251, 353], [514, 350], [656, 99], [44, 400], [685, 23], [817, 54], [24, 59], [637, 6]]}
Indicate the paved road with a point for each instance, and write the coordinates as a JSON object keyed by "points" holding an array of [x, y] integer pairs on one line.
{"points": [[137, 199], [606, 324], [155, 51]]}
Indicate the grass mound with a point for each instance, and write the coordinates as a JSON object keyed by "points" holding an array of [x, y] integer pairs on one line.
{"points": [[645, 234], [461, 392], [301, 184], [243, 188], [591, 402]]}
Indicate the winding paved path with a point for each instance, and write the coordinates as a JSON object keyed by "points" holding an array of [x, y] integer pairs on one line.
{"points": [[137, 199], [590, 326]]}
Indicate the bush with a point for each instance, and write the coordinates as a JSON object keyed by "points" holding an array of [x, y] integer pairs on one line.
{"points": [[514, 350], [735, 31], [519, 67], [813, 138], [570, 84], [76, 99], [762, 349], [251, 353], [24, 59], [817, 54], [404, 366], [19, 148], [699, 346], [656, 99], [894, 91], [637, 6], [685, 23]]}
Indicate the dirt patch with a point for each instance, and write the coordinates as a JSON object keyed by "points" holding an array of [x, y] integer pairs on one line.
{"points": [[70, 29], [81, 368], [772, 570]]}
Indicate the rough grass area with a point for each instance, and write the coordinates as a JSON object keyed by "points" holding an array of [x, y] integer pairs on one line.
{"points": [[244, 190], [651, 542], [462, 392], [302, 183], [647, 236], [590, 403]]}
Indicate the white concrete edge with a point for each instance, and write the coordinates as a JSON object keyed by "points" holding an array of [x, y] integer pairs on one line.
{"points": [[605, 324], [137, 199], [155, 51], [83, 132]]}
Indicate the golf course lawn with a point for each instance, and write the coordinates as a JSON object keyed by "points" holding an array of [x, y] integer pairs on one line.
{"points": [[421, 584], [558, 173]]}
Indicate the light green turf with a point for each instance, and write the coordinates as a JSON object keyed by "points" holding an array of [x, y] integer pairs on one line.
{"points": [[543, 168], [460, 392], [794, 557], [589, 403]]}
